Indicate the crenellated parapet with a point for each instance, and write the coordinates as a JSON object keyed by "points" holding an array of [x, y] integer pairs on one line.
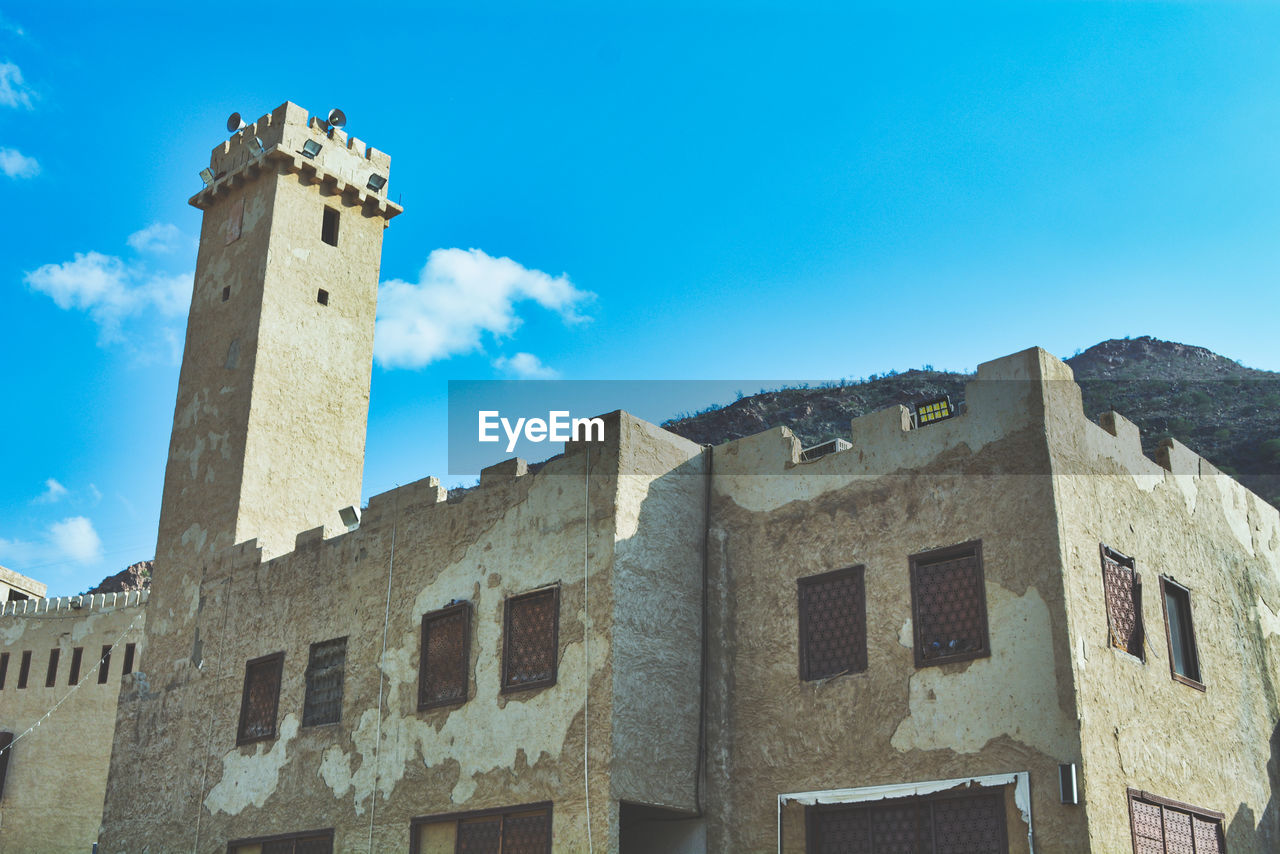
{"points": [[75, 606], [288, 140]]}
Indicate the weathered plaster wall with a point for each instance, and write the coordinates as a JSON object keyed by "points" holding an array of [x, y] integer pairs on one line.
{"points": [[176, 738], [57, 774], [897, 492], [657, 617], [1179, 518]]}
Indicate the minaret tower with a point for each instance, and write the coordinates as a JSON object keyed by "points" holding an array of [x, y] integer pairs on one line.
{"points": [[273, 398]]}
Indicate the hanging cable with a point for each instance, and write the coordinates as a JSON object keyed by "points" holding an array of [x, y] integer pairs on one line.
{"points": [[586, 639], [74, 689], [208, 747], [386, 620]]}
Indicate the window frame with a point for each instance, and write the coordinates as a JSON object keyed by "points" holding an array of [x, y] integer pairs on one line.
{"points": [[51, 671], [104, 664], [501, 812], [130, 652], [858, 574], [554, 591], [326, 222], [1178, 806], [440, 614], [77, 663], [942, 555], [1166, 585], [306, 694], [1109, 554], [241, 738], [303, 836], [813, 812], [6, 751], [24, 669], [4, 668]]}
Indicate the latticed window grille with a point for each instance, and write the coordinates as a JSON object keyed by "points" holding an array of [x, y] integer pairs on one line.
{"points": [[325, 670], [445, 659], [833, 623], [1121, 585], [1162, 826], [311, 842], [973, 823], [261, 699], [949, 605], [520, 830], [530, 641]]}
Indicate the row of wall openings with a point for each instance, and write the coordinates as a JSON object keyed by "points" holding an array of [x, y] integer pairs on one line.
{"points": [[77, 660], [1122, 593], [530, 651], [948, 610], [322, 703]]}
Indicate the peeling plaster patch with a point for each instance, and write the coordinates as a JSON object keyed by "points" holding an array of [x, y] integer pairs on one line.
{"points": [[197, 536], [1015, 684], [764, 493], [302, 254], [1235, 509], [12, 631], [906, 634], [1268, 619], [1186, 484], [251, 779], [194, 455], [83, 628]]}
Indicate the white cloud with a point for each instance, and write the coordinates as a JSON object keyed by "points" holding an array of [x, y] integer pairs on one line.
{"points": [[13, 92], [53, 491], [526, 366], [73, 540], [460, 295], [6, 24], [110, 290], [76, 539], [15, 164], [158, 237]]}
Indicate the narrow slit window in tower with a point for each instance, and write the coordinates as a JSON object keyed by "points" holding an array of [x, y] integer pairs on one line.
{"points": [[329, 230]]}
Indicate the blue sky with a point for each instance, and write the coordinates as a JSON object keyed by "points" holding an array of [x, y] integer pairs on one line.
{"points": [[684, 191]]}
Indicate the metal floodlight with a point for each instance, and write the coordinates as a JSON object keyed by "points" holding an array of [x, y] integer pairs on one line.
{"points": [[255, 146], [938, 409], [206, 175], [376, 182], [311, 148], [350, 516]]}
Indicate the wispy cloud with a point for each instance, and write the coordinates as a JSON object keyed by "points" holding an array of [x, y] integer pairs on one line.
{"points": [[10, 27], [72, 540], [526, 366], [110, 289], [460, 296], [15, 164], [159, 237], [13, 91], [53, 492]]}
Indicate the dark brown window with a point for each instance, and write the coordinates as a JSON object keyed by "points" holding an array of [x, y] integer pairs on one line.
{"points": [[956, 824], [129, 651], [104, 664], [1162, 826], [311, 842], [4, 668], [1122, 587], [1184, 663], [261, 699], [77, 658], [530, 640], [516, 830], [24, 669], [329, 229], [322, 296], [325, 671], [833, 623], [51, 674], [446, 656], [6, 749], [949, 605]]}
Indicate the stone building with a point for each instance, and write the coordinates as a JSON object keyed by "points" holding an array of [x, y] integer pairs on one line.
{"points": [[995, 626], [61, 664]]}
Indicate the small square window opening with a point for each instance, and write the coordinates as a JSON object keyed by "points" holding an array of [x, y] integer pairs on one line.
{"points": [[322, 297]]}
